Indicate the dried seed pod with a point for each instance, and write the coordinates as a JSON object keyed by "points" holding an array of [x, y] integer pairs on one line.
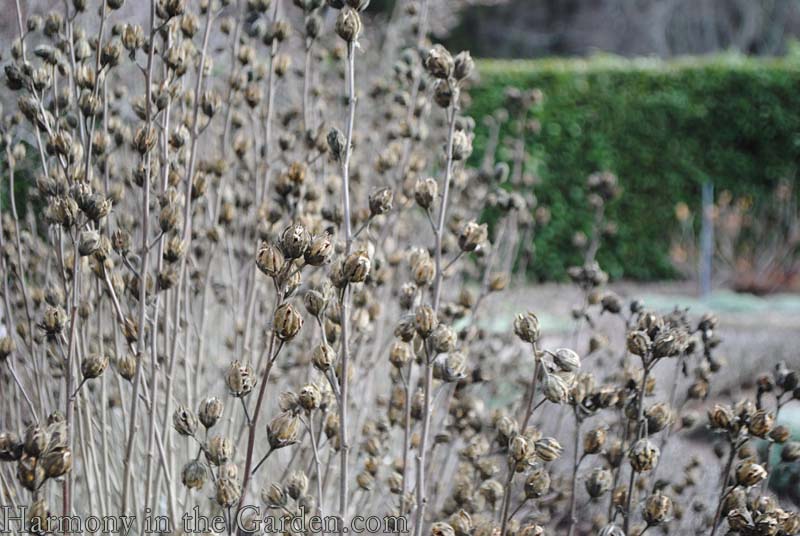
{"points": [[538, 483], [287, 322], [315, 302], [184, 421], [658, 417], [297, 484], [219, 450], [443, 339], [463, 65], [319, 251], [57, 462], [638, 343], [93, 366], [720, 417], [643, 456], [210, 411], [380, 201], [425, 320], [442, 529], [294, 241], [283, 430], [274, 496], [749, 473], [337, 143], [193, 475], [309, 398], [400, 354], [365, 480], [228, 492], [548, 449], [7, 347], [54, 321], [270, 260], [599, 482], [454, 367], [439, 63], [356, 267], [36, 440], [657, 509], [594, 440], [567, 360], [11, 447], [240, 379], [554, 388], [761, 423], [126, 367], [526, 327], [323, 357], [348, 25], [789, 453], [30, 473], [425, 191], [472, 235]]}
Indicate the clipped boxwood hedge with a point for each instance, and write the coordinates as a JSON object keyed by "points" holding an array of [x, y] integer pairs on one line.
{"points": [[663, 127]]}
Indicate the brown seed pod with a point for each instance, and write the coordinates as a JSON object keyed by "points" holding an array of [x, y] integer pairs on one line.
{"points": [[287, 322]]}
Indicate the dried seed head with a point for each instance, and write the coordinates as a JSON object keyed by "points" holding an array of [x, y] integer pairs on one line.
{"points": [[336, 143], [599, 482], [657, 509], [319, 251], [400, 354], [463, 65], [356, 267], [749, 473], [658, 417], [274, 496], [365, 480], [294, 241], [643, 455], [11, 447], [219, 450], [7, 347], [283, 430], [554, 388], [423, 272], [57, 462], [761, 423], [526, 327], [315, 302], [438, 62], [93, 366], [443, 339], [228, 492], [184, 421], [472, 235], [791, 452], [126, 367], [297, 484], [594, 440], [425, 191], [548, 449], [425, 320], [309, 398], [323, 357], [36, 440], [538, 483], [720, 417], [30, 473], [380, 202], [462, 145], [193, 475], [454, 367], [348, 25], [442, 529], [270, 260], [210, 411], [287, 322], [240, 379], [567, 360], [638, 343]]}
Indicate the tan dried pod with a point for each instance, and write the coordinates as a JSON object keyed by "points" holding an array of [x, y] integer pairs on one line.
{"points": [[240, 379], [57, 462], [287, 322], [193, 475]]}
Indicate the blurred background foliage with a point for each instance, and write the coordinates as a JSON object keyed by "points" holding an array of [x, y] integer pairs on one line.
{"points": [[663, 127]]}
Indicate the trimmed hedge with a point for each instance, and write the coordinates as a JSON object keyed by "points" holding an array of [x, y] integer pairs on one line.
{"points": [[663, 127]]}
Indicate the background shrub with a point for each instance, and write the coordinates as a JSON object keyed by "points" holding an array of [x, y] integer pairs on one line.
{"points": [[663, 127]]}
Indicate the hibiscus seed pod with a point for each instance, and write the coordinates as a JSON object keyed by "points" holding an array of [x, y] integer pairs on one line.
{"points": [[319, 251], [348, 25], [425, 320], [287, 322], [438, 62], [296, 485], [210, 411], [228, 492], [219, 450], [548, 449], [36, 440], [270, 260], [657, 509], [599, 482], [538, 483], [471, 236], [425, 191], [193, 475], [283, 430], [643, 455], [749, 473], [57, 462], [526, 327], [294, 241], [380, 201], [184, 421], [240, 379], [93, 366]]}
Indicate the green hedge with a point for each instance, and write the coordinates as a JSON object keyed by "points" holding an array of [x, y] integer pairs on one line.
{"points": [[663, 127]]}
